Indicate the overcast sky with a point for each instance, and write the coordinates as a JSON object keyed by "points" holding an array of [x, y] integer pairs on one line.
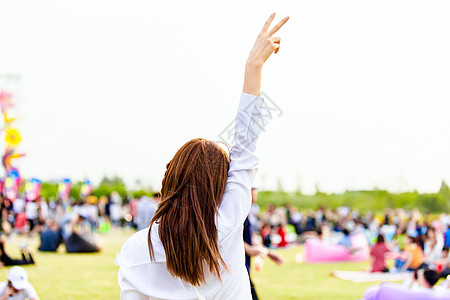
{"points": [[116, 87]]}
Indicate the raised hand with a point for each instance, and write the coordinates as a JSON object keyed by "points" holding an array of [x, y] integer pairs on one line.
{"points": [[264, 46], [266, 43]]}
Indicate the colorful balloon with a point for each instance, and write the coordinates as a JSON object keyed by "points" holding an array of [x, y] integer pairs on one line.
{"points": [[33, 189], [64, 189], [11, 186], [86, 189]]}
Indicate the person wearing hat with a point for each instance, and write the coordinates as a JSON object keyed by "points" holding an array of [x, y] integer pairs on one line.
{"points": [[17, 287]]}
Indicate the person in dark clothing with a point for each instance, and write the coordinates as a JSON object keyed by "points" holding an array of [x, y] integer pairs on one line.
{"points": [[108, 208], [79, 238], [251, 250], [311, 223], [76, 244], [51, 237], [5, 260]]}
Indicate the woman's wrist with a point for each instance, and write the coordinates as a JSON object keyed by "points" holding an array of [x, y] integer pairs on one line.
{"points": [[254, 65], [252, 79]]}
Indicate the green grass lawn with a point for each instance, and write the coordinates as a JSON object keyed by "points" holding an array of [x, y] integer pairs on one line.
{"points": [[94, 276]]}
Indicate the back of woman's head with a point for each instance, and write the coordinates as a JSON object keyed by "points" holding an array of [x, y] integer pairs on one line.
{"points": [[192, 189], [380, 239]]}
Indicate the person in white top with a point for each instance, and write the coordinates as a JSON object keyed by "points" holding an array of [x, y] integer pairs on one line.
{"points": [[194, 248], [116, 209], [17, 287], [145, 211], [18, 205]]}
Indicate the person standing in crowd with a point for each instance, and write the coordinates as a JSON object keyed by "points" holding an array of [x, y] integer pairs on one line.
{"points": [[133, 211], [92, 211], [17, 287], [253, 251], [18, 205], [253, 215], [146, 208], [108, 209], [32, 214], [116, 209], [157, 197], [43, 213], [5, 226], [193, 247]]}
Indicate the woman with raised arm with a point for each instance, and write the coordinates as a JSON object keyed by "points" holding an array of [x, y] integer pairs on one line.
{"points": [[193, 248]]}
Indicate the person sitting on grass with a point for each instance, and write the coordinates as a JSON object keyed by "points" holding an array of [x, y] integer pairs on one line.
{"points": [[51, 236], [414, 258], [377, 255], [445, 261], [17, 287], [80, 238], [345, 240], [424, 279], [433, 246], [281, 231], [5, 260]]}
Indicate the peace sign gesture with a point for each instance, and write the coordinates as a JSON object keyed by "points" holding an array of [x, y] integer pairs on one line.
{"points": [[264, 46], [266, 43]]}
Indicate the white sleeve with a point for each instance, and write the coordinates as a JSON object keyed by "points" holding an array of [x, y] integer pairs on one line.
{"points": [[31, 292], [127, 291], [132, 295], [3, 285], [251, 119]]}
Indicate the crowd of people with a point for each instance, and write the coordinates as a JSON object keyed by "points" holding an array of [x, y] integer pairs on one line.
{"points": [[72, 223], [75, 224], [412, 240]]}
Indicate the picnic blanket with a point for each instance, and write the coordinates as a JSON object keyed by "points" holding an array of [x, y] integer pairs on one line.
{"points": [[365, 276]]}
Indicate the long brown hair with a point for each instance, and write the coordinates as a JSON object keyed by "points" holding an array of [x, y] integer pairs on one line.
{"points": [[192, 190]]}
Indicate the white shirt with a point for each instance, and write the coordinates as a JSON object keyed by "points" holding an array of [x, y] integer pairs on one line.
{"points": [[31, 211], [44, 209], [115, 211], [18, 205], [27, 293], [434, 253], [139, 278], [145, 211]]}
